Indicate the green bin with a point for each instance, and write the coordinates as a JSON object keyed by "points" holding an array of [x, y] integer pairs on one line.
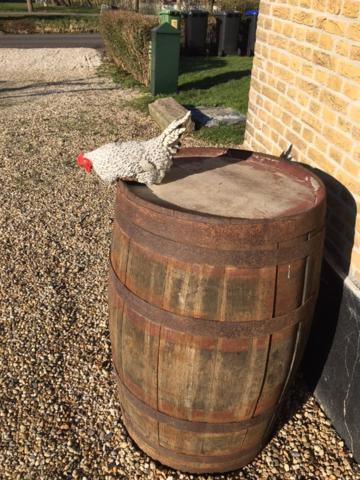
{"points": [[171, 16], [165, 55]]}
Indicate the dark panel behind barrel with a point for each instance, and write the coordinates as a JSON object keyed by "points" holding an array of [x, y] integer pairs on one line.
{"points": [[210, 308]]}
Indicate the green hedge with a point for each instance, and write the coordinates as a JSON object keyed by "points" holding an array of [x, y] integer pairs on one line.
{"points": [[239, 5], [48, 24], [127, 36]]}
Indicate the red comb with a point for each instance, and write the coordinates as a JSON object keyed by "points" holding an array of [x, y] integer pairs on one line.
{"points": [[84, 162]]}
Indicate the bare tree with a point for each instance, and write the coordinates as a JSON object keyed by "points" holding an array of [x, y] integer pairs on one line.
{"points": [[29, 5]]}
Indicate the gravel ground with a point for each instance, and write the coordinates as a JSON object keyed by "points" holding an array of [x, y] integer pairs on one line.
{"points": [[59, 414], [48, 63]]}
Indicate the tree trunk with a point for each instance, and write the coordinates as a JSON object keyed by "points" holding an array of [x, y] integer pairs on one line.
{"points": [[136, 5], [29, 5]]}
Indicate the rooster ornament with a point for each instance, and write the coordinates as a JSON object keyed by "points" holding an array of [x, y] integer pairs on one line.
{"points": [[141, 161]]}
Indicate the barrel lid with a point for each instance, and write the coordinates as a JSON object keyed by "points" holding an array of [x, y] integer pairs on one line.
{"points": [[234, 183]]}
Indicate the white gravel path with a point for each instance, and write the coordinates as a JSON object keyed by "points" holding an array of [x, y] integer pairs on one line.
{"points": [[48, 63], [59, 413]]}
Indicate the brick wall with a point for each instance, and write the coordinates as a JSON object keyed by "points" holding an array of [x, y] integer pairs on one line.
{"points": [[305, 90]]}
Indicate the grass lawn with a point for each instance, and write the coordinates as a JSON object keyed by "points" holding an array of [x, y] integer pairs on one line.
{"points": [[216, 81], [38, 7], [206, 81]]}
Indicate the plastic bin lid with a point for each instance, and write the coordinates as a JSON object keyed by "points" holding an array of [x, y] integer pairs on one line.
{"points": [[228, 13], [198, 13], [170, 11]]}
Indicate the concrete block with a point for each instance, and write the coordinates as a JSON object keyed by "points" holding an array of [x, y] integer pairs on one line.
{"points": [[166, 110]]}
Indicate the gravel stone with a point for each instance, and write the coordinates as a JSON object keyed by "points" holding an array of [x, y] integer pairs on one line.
{"points": [[59, 414]]}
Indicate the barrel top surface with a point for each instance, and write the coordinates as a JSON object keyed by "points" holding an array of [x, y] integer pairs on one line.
{"points": [[234, 183]]}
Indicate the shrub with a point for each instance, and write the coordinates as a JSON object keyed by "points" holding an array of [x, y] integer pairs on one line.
{"points": [[239, 5], [127, 36], [17, 25], [50, 24]]}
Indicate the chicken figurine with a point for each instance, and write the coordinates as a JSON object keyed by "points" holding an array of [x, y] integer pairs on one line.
{"points": [[142, 161]]}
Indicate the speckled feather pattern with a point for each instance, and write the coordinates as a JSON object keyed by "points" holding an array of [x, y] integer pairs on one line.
{"points": [[142, 161]]}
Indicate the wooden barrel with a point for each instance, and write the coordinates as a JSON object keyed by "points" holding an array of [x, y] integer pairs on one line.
{"points": [[213, 280]]}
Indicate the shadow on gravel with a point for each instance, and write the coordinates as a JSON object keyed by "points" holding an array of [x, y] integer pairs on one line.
{"points": [[34, 89], [324, 370], [41, 85], [297, 395]]}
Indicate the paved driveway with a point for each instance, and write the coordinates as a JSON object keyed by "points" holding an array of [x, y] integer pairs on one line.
{"points": [[76, 40]]}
